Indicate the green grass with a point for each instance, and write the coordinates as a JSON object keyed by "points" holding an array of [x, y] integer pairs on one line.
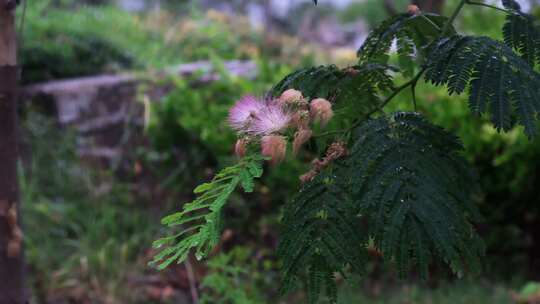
{"points": [[82, 242]]}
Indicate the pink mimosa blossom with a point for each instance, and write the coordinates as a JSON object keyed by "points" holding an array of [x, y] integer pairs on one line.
{"points": [[290, 96], [271, 119], [244, 111], [321, 110], [275, 147]]}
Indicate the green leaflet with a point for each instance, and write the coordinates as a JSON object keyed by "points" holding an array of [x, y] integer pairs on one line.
{"points": [[320, 236], [499, 80], [521, 33], [203, 216], [312, 82], [330, 82], [409, 182], [413, 34]]}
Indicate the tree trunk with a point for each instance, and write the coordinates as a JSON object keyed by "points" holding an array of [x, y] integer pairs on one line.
{"points": [[11, 262], [432, 6]]}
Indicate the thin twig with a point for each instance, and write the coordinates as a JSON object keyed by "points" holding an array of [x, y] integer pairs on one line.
{"points": [[489, 6], [413, 86], [431, 22], [450, 21], [192, 282]]}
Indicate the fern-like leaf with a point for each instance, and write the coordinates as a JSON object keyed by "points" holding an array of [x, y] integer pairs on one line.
{"points": [[313, 82], [321, 237], [410, 183], [521, 32], [203, 215], [413, 34], [498, 79]]}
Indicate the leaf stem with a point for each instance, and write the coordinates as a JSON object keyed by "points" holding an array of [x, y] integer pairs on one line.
{"points": [[488, 6], [453, 17], [430, 22]]}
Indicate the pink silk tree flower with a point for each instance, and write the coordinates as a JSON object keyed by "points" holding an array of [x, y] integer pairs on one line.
{"points": [[244, 111], [290, 96], [321, 110], [274, 146], [271, 119]]}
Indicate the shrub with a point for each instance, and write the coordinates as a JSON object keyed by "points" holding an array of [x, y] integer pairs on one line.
{"points": [[394, 183]]}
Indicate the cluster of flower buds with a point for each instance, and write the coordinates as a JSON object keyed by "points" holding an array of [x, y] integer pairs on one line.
{"points": [[335, 151], [267, 121]]}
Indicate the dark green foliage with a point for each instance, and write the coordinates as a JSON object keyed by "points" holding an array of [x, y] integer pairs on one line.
{"points": [[521, 33], [313, 82], [204, 213], [415, 190], [405, 179], [413, 34], [321, 237], [367, 81], [499, 81]]}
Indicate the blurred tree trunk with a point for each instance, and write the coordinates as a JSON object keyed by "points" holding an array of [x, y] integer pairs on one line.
{"points": [[11, 262], [432, 6]]}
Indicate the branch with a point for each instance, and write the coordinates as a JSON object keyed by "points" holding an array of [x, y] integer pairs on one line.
{"points": [[454, 16], [488, 6]]}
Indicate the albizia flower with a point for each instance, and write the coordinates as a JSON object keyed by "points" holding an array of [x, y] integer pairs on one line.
{"points": [[290, 96], [413, 10], [244, 111], [270, 119], [274, 146], [321, 110]]}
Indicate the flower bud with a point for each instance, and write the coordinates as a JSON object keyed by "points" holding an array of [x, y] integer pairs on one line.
{"points": [[413, 10], [240, 147], [321, 110], [290, 96], [300, 138], [275, 147]]}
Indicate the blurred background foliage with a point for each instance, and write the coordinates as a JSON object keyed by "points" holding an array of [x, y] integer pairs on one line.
{"points": [[89, 233]]}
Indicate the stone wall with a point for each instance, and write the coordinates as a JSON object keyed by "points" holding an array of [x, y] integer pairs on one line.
{"points": [[108, 110]]}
